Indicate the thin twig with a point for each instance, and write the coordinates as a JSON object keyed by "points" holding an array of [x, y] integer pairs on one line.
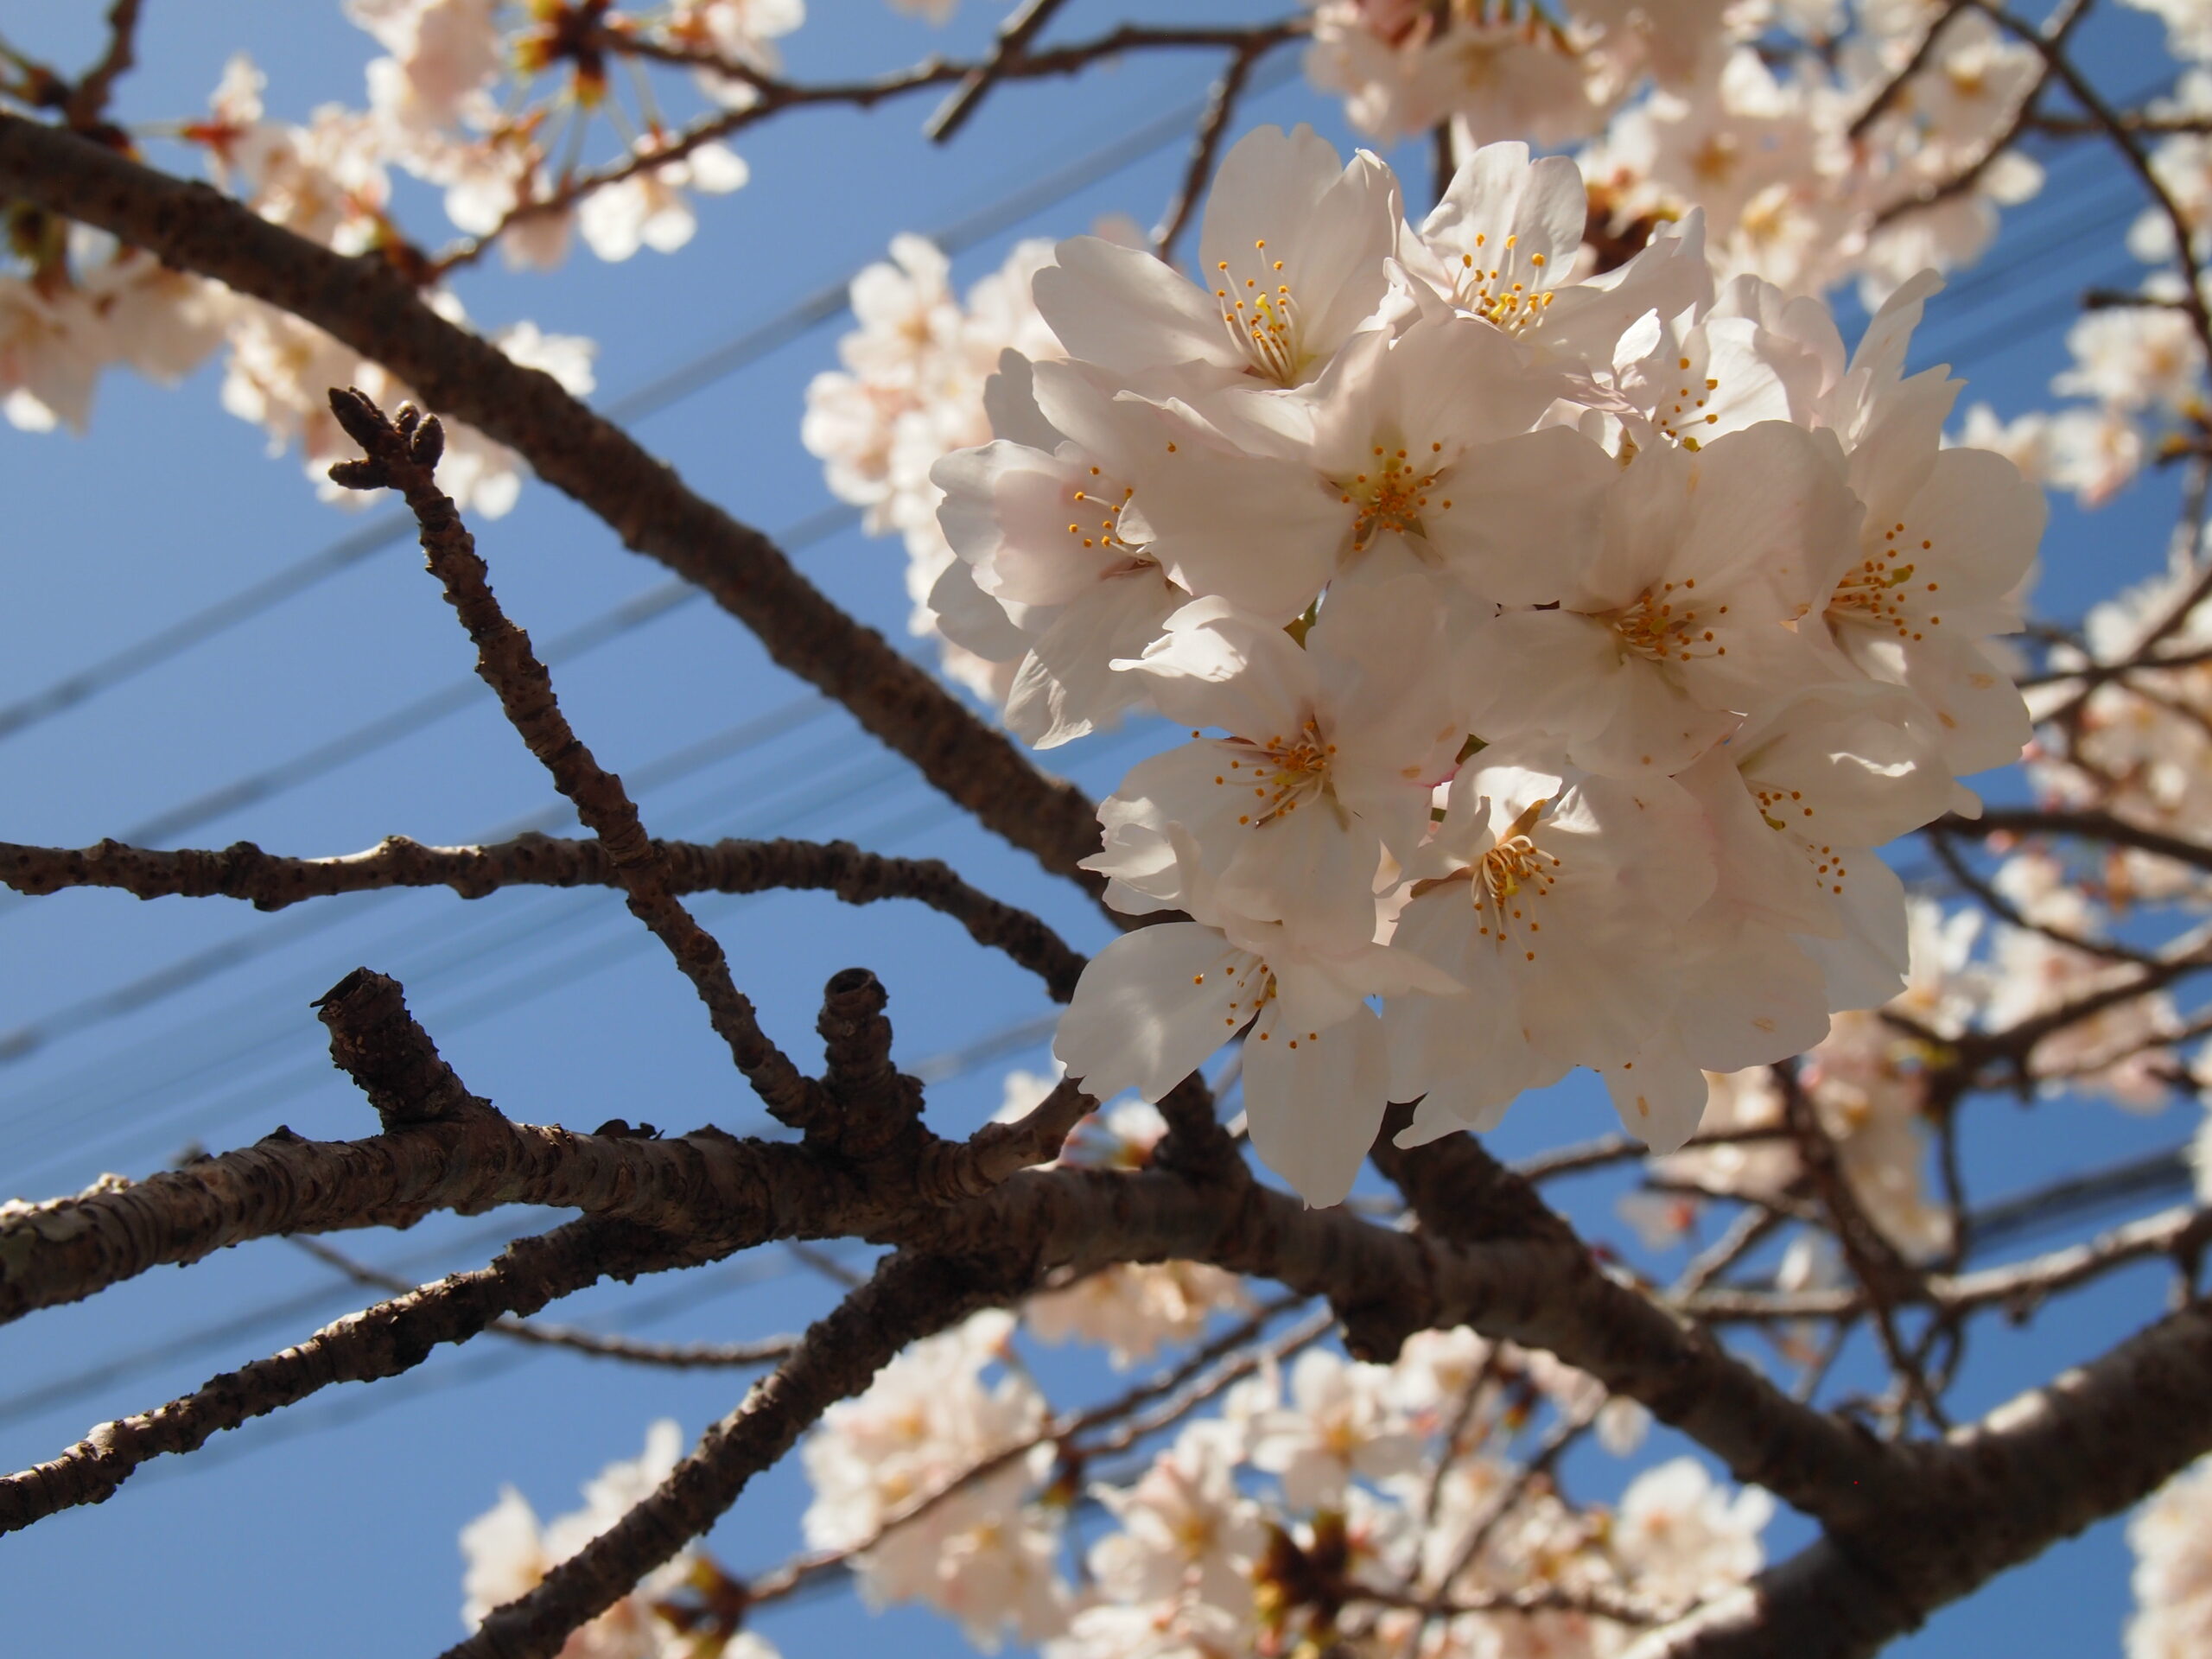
{"points": [[1205, 144], [674, 1356], [87, 105], [1022, 26], [403, 455], [2051, 48], [271, 882], [1888, 94]]}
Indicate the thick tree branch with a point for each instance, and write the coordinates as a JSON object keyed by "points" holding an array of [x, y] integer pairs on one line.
{"points": [[2037, 1470], [1541, 1291], [379, 1342], [375, 1041], [371, 309]]}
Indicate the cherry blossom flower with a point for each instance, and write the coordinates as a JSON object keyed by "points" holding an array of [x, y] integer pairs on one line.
{"points": [[1332, 752], [1132, 1308], [980, 1553], [1338, 1423], [1292, 248], [915, 388], [2172, 1537], [50, 356], [1155, 1004], [1680, 1537], [1184, 1525], [1506, 242], [1046, 535], [1553, 899], [1673, 619], [649, 209], [443, 53], [739, 31]]}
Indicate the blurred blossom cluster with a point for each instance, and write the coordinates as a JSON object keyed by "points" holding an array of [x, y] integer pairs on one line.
{"points": [[1325, 1500]]}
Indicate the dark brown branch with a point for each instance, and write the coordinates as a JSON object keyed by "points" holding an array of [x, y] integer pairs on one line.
{"points": [[1611, 1149], [1873, 1260], [2087, 825], [668, 1356], [270, 881], [375, 1041], [773, 97], [1222, 99], [2050, 44], [2056, 28], [2017, 1287], [708, 1183], [1021, 26], [403, 455], [2037, 1470], [1538, 1287], [372, 310], [1971, 882], [910, 1297], [1891, 89], [379, 1342], [87, 105]]}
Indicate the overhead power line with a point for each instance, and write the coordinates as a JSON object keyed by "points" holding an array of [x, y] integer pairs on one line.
{"points": [[1003, 209]]}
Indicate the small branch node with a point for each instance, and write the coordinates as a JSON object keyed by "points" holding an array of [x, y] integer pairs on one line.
{"points": [[375, 1041]]}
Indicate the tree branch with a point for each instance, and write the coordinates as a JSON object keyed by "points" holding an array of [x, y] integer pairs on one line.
{"points": [[910, 1297], [403, 455], [2087, 825], [378, 1342], [1222, 99], [370, 309], [270, 881], [2038, 1469], [1027, 21], [668, 1356], [87, 105]]}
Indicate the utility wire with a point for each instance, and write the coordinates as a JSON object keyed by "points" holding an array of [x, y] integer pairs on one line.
{"points": [[1004, 208]]}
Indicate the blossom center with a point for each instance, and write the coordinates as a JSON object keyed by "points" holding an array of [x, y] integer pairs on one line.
{"points": [[1508, 882], [1262, 315], [1667, 626], [1879, 591], [1509, 294], [1391, 494], [1784, 809], [1105, 532], [1281, 773]]}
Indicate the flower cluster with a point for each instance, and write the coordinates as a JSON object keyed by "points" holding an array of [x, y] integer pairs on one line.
{"points": [[433, 111], [1866, 1086], [1571, 639], [910, 392], [1295, 1515], [895, 1482], [1771, 118]]}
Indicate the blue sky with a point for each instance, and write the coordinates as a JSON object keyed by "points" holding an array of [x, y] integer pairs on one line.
{"points": [[552, 1003]]}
